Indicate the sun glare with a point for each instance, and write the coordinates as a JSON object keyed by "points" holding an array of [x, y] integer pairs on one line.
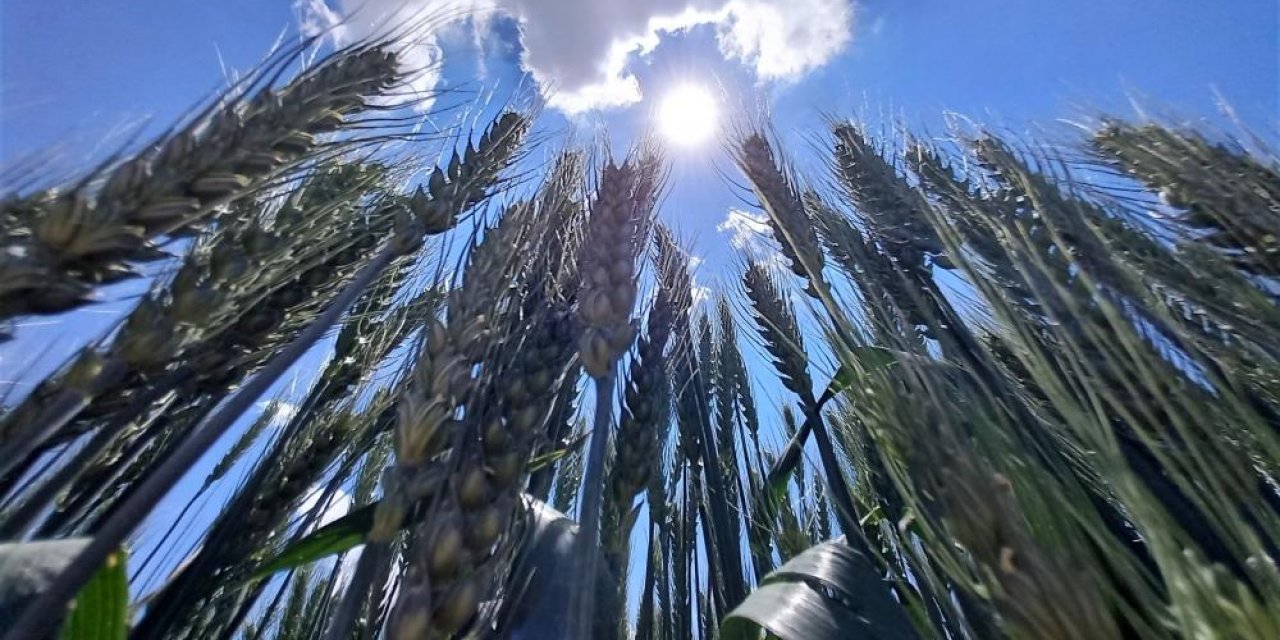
{"points": [[687, 116]]}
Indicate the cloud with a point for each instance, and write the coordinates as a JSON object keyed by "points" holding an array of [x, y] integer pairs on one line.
{"points": [[784, 40], [877, 27], [423, 24], [579, 50], [315, 17], [701, 293], [748, 231]]}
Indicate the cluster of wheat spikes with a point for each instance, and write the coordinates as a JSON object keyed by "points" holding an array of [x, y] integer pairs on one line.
{"points": [[1020, 391]]}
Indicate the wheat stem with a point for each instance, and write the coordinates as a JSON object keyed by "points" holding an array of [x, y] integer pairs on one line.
{"points": [[582, 611]]}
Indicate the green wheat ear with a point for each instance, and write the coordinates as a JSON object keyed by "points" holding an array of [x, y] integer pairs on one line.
{"points": [[1230, 197], [776, 320], [1053, 411], [67, 241], [646, 405]]}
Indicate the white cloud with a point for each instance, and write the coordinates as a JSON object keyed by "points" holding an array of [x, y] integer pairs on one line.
{"points": [[785, 39], [315, 17], [578, 50], [423, 24], [877, 27], [748, 231], [701, 293]]}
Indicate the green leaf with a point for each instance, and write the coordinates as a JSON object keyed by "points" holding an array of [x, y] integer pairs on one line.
{"points": [[101, 609], [839, 382], [551, 457], [830, 591], [786, 463], [340, 535], [870, 358]]}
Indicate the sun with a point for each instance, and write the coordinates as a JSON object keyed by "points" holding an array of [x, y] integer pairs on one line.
{"points": [[687, 116]]}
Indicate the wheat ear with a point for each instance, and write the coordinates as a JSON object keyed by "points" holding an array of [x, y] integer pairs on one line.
{"points": [[787, 216], [1228, 197], [77, 240], [616, 232], [646, 401]]}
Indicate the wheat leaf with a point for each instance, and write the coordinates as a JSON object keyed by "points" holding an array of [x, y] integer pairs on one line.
{"points": [[340, 535], [829, 591], [101, 610]]}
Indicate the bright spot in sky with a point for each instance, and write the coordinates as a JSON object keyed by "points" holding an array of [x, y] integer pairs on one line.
{"points": [[687, 115]]}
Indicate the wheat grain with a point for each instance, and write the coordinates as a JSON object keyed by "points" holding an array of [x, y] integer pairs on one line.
{"points": [[645, 404], [617, 230], [787, 216], [642, 427], [1228, 195], [77, 240]]}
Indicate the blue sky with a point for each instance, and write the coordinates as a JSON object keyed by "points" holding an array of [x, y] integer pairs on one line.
{"points": [[82, 74], [78, 77], [73, 71]]}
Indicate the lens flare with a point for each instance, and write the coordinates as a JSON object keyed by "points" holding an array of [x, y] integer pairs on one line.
{"points": [[687, 116]]}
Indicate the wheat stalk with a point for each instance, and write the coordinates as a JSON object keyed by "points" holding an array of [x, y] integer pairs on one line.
{"points": [[616, 232], [646, 407], [690, 363]]}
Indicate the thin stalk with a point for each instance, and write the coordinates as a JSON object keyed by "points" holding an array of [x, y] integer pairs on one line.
{"points": [[836, 485], [375, 603], [340, 626], [728, 556], [645, 621], [558, 429], [271, 607], [583, 611], [714, 549]]}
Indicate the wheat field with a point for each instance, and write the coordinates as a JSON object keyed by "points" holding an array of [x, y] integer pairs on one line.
{"points": [[1023, 389]]}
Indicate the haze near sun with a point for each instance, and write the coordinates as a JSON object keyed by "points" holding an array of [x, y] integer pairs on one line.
{"points": [[688, 115]]}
